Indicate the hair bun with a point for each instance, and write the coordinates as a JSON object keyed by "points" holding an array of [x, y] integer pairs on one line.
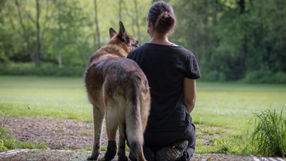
{"points": [[162, 17], [165, 14], [164, 22]]}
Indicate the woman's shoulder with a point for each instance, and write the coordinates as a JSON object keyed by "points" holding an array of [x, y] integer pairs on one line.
{"points": [[135, 51], [139, 49], [157, 48], [180, 50]]}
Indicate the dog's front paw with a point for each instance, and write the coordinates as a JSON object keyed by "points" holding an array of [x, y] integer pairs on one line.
{"points": [[122, 158], [102, 159], [92, 158], [111, 150]]}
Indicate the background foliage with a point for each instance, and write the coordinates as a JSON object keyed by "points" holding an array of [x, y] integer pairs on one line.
{"points": [[232, 39]]}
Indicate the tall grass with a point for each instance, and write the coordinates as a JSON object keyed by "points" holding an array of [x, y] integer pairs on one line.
{"points": [[269, 135]]}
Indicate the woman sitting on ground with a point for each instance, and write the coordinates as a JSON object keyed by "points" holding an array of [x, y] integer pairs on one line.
{"points": [[171, 71]]}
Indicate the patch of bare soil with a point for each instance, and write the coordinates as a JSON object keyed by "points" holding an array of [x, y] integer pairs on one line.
{"points": [[65, 133], [57, 133], [59, 155]]}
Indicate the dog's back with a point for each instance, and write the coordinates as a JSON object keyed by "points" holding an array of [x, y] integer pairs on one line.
{"points": [[118, 90]]}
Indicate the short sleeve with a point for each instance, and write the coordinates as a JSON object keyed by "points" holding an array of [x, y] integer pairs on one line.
{"points": [[193, 70], [131, 55]]}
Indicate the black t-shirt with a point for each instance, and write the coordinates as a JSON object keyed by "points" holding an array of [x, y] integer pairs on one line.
{"points": [[165, 68]]}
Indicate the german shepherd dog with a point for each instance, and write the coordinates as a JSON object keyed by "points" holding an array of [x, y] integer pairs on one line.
{"points": [[118, 89]]}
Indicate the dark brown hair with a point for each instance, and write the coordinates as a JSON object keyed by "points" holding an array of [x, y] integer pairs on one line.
{"points": [[161, 15]]}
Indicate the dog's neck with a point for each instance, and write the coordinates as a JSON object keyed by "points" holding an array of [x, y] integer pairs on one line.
{"points": [[108, 51], [116, 50]]}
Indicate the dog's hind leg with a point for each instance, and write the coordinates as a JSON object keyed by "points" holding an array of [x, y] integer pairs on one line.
{"points": [[145, 107], [122, 137], [141, 156], [97, 125], [112, 122]]}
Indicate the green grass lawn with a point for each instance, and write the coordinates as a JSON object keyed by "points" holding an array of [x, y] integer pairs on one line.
{"points": [[222, 114]]}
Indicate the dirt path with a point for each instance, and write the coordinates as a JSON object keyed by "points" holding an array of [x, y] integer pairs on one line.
{"points": [[68, 155], [57, 133], [69, 134]]}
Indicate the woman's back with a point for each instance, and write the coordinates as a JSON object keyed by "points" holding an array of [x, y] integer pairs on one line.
{"points": [[165, 68], [171, 72]]}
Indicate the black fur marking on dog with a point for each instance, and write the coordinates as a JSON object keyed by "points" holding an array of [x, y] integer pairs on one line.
{"points": [[125, 39], [122, 158], [111, 150], [134, 149]]}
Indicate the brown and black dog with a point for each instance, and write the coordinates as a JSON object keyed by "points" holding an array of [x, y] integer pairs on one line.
{"points": [[118, 89]]}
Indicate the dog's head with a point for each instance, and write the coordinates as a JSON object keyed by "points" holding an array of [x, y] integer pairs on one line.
{"points": [[122, 39]]}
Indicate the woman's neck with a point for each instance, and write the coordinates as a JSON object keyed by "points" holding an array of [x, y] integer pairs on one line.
{"points": [[159, 39]]}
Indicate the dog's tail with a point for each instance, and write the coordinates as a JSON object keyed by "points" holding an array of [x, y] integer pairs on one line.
{"points": [[134, 124]]}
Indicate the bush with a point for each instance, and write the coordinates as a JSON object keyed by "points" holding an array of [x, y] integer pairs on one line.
{"points": [[44, 69], [269, 135], [265, 77], [4, 59], [213, 76], [2, 145]]}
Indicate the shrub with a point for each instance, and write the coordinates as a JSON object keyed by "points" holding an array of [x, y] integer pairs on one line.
{"points": [[45, 69], [2, 146], [4, 59], [269, 135], [2, 137], [213, 76], [265, 77]]}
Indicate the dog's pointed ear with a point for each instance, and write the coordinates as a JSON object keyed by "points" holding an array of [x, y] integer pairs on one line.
{"points": [[122, 31], [112, 32], [122, 35]]}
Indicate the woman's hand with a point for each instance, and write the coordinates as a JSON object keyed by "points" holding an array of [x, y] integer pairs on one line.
{"points": [[189, 94]]}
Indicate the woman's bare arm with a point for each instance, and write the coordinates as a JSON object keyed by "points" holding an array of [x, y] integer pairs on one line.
{"points": [[189, 94]]}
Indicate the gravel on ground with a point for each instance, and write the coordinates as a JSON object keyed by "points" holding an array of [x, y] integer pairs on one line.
{"points": [[61, 134], [68, 155]]}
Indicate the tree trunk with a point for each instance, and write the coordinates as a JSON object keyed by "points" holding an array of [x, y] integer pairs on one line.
{"points": [[120, 10], [197, 44], [44, 24], [38, 53], [60, 35], [244, 47], [2, 4], [97, 34], [25, 33], [137, 20], [241, 4]]}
